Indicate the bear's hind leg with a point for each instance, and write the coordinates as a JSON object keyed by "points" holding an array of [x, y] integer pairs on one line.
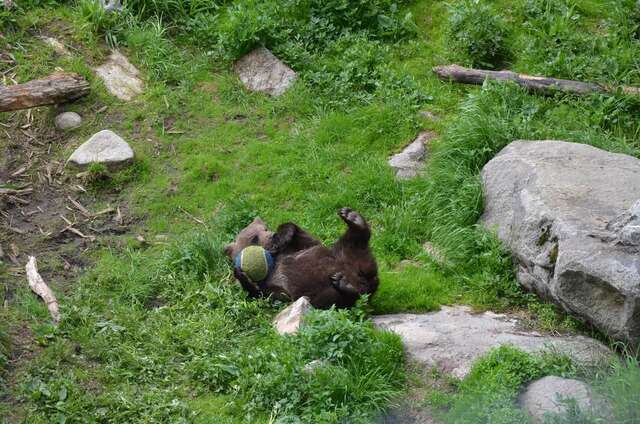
{"points": [[358, 232]]}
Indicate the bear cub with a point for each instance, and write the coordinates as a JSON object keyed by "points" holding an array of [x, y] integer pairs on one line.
{"points": [[338, 275]]}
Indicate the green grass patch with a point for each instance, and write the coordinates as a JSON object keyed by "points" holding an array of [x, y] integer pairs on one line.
{"points": [[148, 332], [413, 288], [152, 334], [489, 393]]}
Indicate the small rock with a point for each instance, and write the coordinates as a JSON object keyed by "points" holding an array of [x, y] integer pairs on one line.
{"points": [[454, 337], [551, 395], [68, 121], [56, 45], [111, 5], [120, 77], [103, 147], [288, 320], [313, 365], [410, 161], [434, 253], [261, 71], [429, 115]]}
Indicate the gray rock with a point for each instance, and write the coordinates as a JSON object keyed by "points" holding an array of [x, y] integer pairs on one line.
{"points": [[56, 45], [261, 71], [120, 77], [453, 338], [435, 253], [288, 321], [104, 147], [410, 161], [554, 395], [111, 5], [568, 212], [426, 114], [312, 366], [68, 121]]}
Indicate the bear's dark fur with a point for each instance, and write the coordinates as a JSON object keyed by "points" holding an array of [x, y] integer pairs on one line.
{"points": [[304, 267]]}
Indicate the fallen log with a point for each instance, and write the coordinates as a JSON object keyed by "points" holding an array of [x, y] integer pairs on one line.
{"points": [[544, 85], [39, 287], [57, 88]]}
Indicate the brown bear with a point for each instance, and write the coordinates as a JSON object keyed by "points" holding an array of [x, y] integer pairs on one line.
{"points": [[305, 267]]}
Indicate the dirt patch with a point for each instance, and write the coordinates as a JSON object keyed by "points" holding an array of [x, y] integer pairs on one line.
{"points": [[44, 208], [47, 211], [413, 408]]}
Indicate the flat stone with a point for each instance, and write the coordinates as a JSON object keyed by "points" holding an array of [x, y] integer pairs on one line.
{"points": [[68, 121], [567, 212], [104, 147], [288, 321], [56, 45], [454, 337], [410, 161], [263, 72], [120, 77], [550, 395]]}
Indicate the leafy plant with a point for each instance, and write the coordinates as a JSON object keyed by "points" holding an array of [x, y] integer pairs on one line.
{"points": [[479, 33]]}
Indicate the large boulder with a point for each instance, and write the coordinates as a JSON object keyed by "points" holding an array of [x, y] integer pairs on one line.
{"points": [[454, 337], [570, 213], [260, 70]]}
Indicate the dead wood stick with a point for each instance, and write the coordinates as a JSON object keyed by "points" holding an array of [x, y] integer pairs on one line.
{"points": [[39, 287], [57, 88], [199, 221], [544, 85], [10, 191], [103, 212], [79, 206]]}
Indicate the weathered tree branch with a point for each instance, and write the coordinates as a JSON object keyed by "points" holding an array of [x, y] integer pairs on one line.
{"points": [[544, 85], [41, 288], [60, 87]]}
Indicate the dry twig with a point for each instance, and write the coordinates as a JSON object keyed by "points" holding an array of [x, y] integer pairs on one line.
{"points": [[39, 287]]}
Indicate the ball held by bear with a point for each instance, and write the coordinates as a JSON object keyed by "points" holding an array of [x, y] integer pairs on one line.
{"points": [[255, 262]]}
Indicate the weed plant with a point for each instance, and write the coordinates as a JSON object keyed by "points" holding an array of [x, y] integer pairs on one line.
{"points": [[479, 34]]}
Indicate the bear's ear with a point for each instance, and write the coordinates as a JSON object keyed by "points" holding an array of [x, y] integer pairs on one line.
{"points": [[258, 220]]}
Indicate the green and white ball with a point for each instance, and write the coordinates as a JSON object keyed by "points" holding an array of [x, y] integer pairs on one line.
{"points": [[255, 262]]}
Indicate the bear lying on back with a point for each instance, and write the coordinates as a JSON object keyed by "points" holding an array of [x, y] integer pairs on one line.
{"points": [[304, 267]]}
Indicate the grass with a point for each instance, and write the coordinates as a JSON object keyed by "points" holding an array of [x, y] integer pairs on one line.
{"points": [[489, 393], [161, 333]]}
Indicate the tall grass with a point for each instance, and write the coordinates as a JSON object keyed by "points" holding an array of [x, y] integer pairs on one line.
{"points": [[489, 393], [161, 326]]}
